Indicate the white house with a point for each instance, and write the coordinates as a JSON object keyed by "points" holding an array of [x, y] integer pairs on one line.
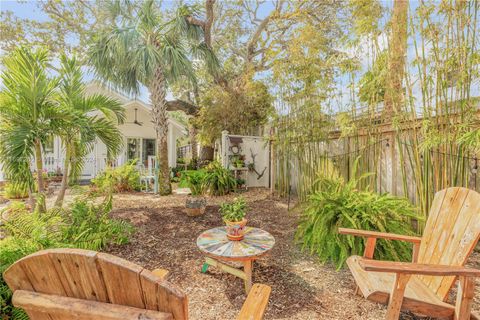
{"points": [[138, 134]]}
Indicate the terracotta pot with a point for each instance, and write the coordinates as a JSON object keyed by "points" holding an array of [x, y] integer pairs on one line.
{"points": [[236, 229], [195, 205]]}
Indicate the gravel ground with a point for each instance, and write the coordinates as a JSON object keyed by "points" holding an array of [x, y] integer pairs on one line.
{"points": [[301, 287]]}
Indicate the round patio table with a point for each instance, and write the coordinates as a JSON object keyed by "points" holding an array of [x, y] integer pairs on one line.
{"points": [[217, 247]]}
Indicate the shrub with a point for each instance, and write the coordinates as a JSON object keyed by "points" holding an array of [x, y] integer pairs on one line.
{"points": [[218, 180], [182, 178], [83, 225], [124, 178], [176, 173], [15, 191], [337, 204]]}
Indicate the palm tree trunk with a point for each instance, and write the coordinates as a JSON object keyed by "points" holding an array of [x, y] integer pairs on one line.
{"points": [[40, 183], [192, 132], [63, 188], [31, 198], [160, 122]]}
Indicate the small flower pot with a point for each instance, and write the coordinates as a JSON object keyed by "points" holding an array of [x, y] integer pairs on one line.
{"points": [[236, 230], [195, 206]]}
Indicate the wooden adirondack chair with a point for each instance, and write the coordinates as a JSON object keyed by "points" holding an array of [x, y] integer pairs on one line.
{"points": [[70, 284], [451, 233]]}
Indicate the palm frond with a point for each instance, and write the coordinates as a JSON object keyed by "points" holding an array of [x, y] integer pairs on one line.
{"points": [[29, 110], [176, 63]]}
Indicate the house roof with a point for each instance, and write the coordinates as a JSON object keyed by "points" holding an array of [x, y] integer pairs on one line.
{"points": [[128, 102]]}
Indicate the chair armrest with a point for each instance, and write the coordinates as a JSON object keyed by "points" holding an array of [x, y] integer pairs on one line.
{"points": [[161, 273], [382, 235], [256, 303], [417, 268]]}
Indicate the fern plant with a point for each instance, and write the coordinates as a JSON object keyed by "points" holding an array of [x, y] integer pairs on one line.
{"points": [[83, 225], [125, 178], [337, 204], [88, 226]]}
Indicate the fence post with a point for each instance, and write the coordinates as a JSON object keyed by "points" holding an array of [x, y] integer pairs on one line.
{"points": [[224, 151]]}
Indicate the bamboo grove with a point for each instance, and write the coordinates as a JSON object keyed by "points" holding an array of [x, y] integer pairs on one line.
{"points": [[415, 141]]}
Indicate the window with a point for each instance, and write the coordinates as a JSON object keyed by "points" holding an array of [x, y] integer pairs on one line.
{"points": [[148, 149], [133, 148]]}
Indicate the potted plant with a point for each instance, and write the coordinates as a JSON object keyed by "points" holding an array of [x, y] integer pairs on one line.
{"points": [[239, 163], [233, 215], [241, 182], [233, 160], [195, 203]]}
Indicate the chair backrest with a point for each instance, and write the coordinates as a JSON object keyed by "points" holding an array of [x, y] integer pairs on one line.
{"points": [[93, 276], [451, 233]]}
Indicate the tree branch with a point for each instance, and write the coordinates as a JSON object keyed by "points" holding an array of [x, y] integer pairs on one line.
{"points": [[252, 42], [180, 105]]}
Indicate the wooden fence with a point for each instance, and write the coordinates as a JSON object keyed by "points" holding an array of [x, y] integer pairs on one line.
{"points": [[389, 155]]}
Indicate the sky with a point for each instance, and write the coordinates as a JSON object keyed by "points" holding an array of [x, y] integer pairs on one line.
{"points": [[30, 10]]}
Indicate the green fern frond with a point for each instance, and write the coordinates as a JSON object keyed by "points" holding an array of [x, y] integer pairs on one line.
{"points": [[337, 204]]}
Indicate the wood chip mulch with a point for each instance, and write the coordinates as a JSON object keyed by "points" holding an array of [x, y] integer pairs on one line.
{"points": [[302, 288]]}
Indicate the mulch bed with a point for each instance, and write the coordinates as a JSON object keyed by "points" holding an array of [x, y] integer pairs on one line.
{"points": [[302, 288]]}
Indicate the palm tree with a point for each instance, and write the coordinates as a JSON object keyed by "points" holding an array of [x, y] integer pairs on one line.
{"points": [[91, 117], [28, 116], [138, 48]]}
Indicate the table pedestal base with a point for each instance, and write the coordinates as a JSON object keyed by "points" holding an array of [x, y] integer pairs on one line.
{"points": [[246, 274]]}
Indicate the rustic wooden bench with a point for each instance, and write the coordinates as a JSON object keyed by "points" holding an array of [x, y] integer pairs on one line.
{"points": [[422, 286], [80, 284]]}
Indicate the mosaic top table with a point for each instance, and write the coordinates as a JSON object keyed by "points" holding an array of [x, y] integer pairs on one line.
{"points": [[216, 246]]}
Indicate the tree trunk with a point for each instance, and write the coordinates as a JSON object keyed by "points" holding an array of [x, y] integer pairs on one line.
{"points": [[192, 132], [63, 188], [160, 122], [40, 183], [31, 198], [396, 59]]}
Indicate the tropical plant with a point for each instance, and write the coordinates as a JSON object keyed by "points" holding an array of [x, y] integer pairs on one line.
{"points": [[219, 180], [94, 116], [88, 226], [234, 211], [15, 191], [125, 178], [84, 225], [335, 204], [28, 117], [139, 48], [195, 181]]}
